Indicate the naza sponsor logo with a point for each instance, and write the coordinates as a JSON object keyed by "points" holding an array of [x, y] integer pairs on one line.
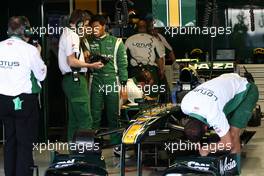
{"points": [[200, 166], [215, 65], [9, 63]]}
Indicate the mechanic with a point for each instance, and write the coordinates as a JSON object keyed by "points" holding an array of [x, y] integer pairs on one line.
{"points": [[144, 49], [224, 103], [73, 67], [136, 86], [21, 70], [108, 83], [154, 26]]}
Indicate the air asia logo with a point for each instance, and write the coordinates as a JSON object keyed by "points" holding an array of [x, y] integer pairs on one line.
{"points": [[227, 166], [200, 166], [8, 64]]}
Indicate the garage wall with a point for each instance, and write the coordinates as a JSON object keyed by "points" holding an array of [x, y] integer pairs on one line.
{"points": [[86, 5], [257, 70]]}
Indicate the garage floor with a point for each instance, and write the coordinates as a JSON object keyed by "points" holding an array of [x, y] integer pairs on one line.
{"points": [[252, 165]]}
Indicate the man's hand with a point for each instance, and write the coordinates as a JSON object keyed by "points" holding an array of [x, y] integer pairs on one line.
{"points": [[123, 93], [96, 65]]}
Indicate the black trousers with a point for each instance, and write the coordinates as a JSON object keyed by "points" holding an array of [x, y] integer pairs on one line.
{"points": [[21, 126]]}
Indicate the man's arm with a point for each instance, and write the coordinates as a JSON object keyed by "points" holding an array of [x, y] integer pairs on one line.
{"points": [[72, 49], [222, 128], [161, 65], [122, 63], [74, 62], [37, 65], [122, 68], [168, 47], [160, 55]]}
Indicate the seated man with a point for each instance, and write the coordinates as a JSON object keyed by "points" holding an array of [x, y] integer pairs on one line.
{"points": [[224, 103], [139, 86]]}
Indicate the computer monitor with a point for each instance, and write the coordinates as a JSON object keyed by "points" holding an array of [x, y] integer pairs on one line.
{"points": [[225, 54]]}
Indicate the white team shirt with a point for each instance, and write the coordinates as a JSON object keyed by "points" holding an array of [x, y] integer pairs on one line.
{"points": [[69, 44], [18, 60], [164, 42], [133, 91], [209, 99], [143, 48]]}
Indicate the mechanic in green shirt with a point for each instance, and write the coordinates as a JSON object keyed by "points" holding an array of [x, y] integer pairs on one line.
{"points": [[108, 82]]}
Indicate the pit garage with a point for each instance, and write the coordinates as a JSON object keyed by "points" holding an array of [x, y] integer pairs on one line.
{"points": [[130, 87]]}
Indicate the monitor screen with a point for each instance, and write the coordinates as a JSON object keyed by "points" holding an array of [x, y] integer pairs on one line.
{"points": [[225, 54]]}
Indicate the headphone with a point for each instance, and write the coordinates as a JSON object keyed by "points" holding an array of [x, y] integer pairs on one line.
{"points": [[196, 51], [197, 54], [187, 74], [79, 23]]}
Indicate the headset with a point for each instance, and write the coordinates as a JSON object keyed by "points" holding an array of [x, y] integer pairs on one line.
{"points": [[79, 23], [27, 32], [188, 74], [197, 54]]}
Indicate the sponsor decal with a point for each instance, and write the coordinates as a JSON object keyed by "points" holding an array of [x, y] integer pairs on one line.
{"points": [[65, 163], [206, 92], [200, 166], [196, 108], [152, 133], [228, 165], [216, 65], [8, 64], [142, 45], [217, 129]]}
